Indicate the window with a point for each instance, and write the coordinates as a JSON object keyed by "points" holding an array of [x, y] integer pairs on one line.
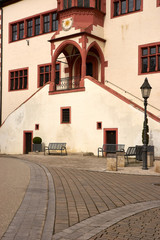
{"points": [[83, 3], [98, 4], [46, 23], [67, 4], [54, 22], [33, 26], [66, 115], [21, 30], [18, 79], [14, 32], [120, 7], [36, 126], [29, 28], [44, 74], [37, 26], [149, 58], [99, 125]]}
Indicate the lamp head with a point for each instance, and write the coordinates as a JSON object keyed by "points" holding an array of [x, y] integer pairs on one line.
{"points": [[146, 89]]}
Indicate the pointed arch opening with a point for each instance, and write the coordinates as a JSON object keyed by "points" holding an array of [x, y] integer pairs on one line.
{"points": [[67, 54], [95, 62]]}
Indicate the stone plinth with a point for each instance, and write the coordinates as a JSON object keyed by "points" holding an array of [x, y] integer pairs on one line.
{"points": [[157, 165], [111, 162], [150, 159], [120, 159]]}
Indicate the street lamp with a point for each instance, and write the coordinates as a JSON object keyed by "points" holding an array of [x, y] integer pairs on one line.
{"points": [[146, 90]]}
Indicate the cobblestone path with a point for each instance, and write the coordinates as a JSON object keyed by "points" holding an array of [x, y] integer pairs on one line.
{"points": [[145, 225]]}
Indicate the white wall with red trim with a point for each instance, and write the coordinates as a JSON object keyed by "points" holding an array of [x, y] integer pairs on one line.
{"points": [[95, 104]]}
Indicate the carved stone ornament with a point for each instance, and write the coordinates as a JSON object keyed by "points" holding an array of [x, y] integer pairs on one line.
{"points": [[67, 23]]}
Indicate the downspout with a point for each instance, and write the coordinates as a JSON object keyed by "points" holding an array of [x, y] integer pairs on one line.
{"points": [[1, 66]]}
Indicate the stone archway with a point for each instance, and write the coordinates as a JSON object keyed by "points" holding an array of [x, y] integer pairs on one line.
{"points": [[71, 51]]}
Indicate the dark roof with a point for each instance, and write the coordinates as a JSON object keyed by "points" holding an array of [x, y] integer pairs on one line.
{"points": [[7, 2]]}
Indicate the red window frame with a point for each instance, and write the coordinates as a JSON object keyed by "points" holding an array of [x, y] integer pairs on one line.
{"points": [[42, 76], [127, 11], [53, 26], [141, 52], [18, 79], [62, 109]]}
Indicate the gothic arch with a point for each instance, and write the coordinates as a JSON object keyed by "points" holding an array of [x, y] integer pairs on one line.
{"points": [[94, 45]]}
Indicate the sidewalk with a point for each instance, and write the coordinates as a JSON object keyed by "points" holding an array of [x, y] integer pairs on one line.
{"points": [[84, 200]]}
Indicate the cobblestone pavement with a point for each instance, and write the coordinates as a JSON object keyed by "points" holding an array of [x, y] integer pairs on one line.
{"points": [[87, 202], [145, 225]]}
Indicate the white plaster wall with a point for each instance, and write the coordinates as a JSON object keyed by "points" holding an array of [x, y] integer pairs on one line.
{"points": [[87, 107], [124, 34], [20, 55]]}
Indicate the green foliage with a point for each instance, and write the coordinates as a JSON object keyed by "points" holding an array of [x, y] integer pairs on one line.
{"points": [[147, 132], [37, 140]]}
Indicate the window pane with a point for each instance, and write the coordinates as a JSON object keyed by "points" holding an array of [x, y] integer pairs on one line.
{"points": [[159, 49], [25, 82], [41, 80], [138, 5], [25, 72], [20, 73], [21, 30], [152, 50], [144, 64], [12, 84], [12, 74], [20, 83], [86, 3], [54, 22], [29, 28], [37, 26], [41, 69], [65, 115], [69, 3], [57, 77], [47, 69], [64, 4], [152, 64], [80, 3], [57, 66], [46, 77], [16, 74], [158, 63], [16, 83], [46, 23], [144, 51], [123, 7], [130, 6], [100, 5], [14, 32], [116, 8]]}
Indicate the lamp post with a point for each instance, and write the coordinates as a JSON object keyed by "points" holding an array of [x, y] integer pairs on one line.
{"points": [[146, 90]]}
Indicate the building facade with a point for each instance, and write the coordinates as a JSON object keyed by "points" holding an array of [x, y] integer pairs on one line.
{"points": [[72, 72]]}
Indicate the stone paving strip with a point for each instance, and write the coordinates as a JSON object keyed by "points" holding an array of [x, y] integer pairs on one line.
{"points": [[35, 217], [94, 225]]}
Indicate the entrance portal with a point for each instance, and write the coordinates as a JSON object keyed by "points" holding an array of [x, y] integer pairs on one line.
{"points": [[27, 142]]}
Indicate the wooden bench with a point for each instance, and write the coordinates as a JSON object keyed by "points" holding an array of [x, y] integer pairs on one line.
{"points": [[131, 151], [55, 146], [110, 148]]}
